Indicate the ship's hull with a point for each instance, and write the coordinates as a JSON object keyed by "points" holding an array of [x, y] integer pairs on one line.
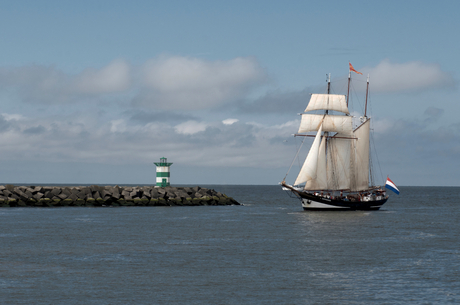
{"points": [[317, 202], [312, 202]]}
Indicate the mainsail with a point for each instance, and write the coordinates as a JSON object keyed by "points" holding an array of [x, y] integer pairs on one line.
{"points": [[339, 162], [362, 156]]}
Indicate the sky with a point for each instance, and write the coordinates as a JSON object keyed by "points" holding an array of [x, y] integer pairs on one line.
{"points": [[94, 92]]}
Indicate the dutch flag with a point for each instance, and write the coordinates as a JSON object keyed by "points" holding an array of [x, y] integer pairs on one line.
{"points": [[391, 186]]}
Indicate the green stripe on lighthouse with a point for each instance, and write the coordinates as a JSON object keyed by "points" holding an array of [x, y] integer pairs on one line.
{"points": [[162, 172]]}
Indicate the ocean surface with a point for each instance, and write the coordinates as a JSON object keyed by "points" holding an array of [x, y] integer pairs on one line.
{"points": [[268, 251]]}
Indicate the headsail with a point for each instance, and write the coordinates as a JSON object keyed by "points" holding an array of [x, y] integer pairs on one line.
{"points": [[320, 182], [309, 168]]}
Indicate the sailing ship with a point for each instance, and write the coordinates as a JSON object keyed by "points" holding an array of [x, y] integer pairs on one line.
{"points": [[336, 171]]}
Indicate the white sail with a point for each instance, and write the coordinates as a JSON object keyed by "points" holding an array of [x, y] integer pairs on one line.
{"points": [[334, 102], [339, 162], [320, 183], [309, 168], [361, 149], [332, 123]]}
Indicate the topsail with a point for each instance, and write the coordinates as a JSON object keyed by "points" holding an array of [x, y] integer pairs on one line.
{"points": [[328, 102], [332, 123]]}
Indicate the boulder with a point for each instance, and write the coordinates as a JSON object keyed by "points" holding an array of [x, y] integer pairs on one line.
{"points": [[134, 193], [106, 194], [96, 195], [55, 191], [38, 195], [81, 194]]}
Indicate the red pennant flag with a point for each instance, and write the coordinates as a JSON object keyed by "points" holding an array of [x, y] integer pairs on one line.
{"points": [[353, 69]]}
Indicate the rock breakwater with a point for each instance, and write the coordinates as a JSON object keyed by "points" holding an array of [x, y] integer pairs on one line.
{"points": [[94, 195]]}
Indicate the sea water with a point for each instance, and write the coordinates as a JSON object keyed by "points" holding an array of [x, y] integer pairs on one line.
{"points": [[268, 251]]}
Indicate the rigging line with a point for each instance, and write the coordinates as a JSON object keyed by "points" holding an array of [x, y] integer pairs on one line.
{"points": [[358, 101], [292, 163], [298, 149], [369, 104], [376, 155], [371, 170], [344, 84], [342, 88]]}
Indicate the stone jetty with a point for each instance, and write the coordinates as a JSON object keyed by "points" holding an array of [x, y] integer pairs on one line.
{"points": [[94, 195]]}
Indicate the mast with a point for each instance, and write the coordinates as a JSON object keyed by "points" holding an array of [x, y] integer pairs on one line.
{"points": [[326, 134], [328, 87], [348, 90], [367, 90], [352, 177], [371, 175]]}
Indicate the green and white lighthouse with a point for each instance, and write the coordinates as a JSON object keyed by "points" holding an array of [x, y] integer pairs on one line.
{"points": [[163, 172]]}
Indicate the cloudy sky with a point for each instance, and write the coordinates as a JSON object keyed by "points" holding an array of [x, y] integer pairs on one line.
{"points": [[96, 91]]}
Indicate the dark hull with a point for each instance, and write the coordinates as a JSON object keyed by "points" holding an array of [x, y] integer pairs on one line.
{"points": [[312, 202]]}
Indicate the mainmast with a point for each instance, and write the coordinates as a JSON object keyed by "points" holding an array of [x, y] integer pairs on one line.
{"points": [[371, 174], [367, 91], [326, 134], [348, 90], [328, 87]]}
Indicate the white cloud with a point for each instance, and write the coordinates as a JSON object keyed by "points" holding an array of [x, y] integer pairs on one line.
{"points": [[115, 77], [48, 85], [89, 139], [118, 125], [177, 83], [229, 121], [410, 76], [15, 116], [192, 83], [190, 127]]}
